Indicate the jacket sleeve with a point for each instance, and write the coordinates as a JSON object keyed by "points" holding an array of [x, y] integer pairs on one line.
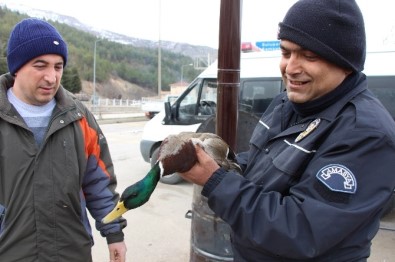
{"points": [[241, 159], [311, 218], [99, 181]]}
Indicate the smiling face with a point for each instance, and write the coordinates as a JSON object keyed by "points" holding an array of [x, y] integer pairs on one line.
{"points": [[37, 82], [306, 75]]}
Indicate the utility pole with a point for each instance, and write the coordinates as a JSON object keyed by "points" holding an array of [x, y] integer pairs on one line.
{"points": [[214, 233], [159, 50], [228, 70], [94, 74]]}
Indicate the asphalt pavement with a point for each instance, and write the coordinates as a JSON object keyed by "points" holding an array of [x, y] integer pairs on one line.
{"points": [[157, 231]]}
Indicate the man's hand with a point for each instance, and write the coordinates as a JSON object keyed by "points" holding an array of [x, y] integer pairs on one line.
{"points": [[117, 252], [202, 170]]}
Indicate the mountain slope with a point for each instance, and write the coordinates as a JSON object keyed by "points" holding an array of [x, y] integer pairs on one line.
{"points": [[125, 67], [201, 53]]}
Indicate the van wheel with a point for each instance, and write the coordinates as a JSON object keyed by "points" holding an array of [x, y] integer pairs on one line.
{"points": [[171, 179]]}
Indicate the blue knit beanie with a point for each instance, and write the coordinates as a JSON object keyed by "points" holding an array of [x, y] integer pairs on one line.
{"points": [[31, 38], [333, 29]]}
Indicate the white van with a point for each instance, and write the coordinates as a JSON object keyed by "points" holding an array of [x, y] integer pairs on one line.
{"points": [[260, 81]]}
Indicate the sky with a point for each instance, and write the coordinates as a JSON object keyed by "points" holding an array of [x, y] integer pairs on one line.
{"points": [[197, 21]]}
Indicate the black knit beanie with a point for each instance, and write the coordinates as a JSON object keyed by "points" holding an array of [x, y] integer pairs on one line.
{"points": [[31, 38], [333, 29]]}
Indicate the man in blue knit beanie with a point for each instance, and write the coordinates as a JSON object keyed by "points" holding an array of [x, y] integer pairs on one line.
{"points": [[54, 160], [320, 168]]}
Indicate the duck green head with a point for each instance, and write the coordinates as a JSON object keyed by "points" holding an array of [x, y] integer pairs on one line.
{"points": [[135, 195]]}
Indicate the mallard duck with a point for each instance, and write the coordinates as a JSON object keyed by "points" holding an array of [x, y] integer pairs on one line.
{"points": [[176, 154]]}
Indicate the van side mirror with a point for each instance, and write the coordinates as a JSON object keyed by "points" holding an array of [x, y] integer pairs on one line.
{"points": [[168, 115]]}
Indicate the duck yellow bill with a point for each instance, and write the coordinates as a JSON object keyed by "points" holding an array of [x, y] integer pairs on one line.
{"points": [[115, 213]]}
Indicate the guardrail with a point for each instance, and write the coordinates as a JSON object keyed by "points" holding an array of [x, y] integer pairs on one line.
{"points": [[115, 108]]}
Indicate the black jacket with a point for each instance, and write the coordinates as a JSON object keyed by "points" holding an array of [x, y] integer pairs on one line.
{"points": [[312, 190]]}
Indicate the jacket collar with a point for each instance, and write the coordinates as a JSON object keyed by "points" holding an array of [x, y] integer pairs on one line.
{"points": [[359, 84], [283, 112]]}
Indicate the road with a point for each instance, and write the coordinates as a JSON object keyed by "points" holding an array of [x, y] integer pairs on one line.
{"points": [[158, 231]]}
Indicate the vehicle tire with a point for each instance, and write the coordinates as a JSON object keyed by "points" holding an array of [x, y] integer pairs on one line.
{"points": [[171, 179]]}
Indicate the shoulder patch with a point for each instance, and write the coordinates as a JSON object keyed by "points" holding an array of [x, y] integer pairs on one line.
{"points": [[338, 178]]}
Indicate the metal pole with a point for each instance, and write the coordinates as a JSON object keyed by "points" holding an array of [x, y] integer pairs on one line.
{"points": [[229, 70], [94, 74], [94, 71], [159, 51], [210, 235]]}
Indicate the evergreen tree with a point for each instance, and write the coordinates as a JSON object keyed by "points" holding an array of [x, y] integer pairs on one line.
{"points": [[3, 58], [71, 80], [3, 65]]}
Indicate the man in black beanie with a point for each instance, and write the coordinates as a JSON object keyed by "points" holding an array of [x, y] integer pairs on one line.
{"points": [[319, 171], [54, 160]]}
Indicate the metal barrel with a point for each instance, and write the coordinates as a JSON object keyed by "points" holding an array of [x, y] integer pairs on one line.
{"points": [[210, 235]]}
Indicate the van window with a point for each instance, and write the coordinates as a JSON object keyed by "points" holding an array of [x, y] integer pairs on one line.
{"points": [[208, 99], [199, 101], [383, 88], [256, 95], [188, 102]]}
